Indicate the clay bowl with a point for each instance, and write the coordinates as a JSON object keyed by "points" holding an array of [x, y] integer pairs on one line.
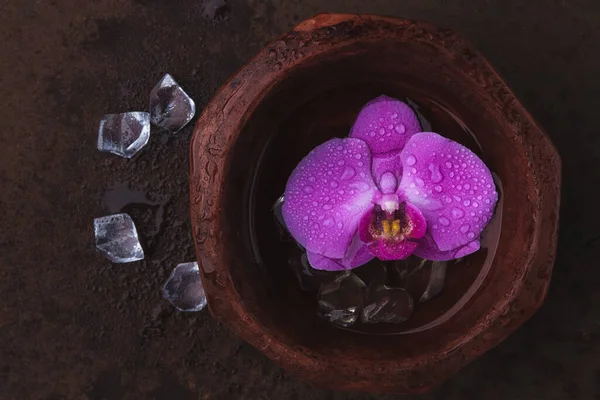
{"points": [[307, 87]]}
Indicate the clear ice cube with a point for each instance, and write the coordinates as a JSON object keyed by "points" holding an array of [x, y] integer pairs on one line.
{"points": [[278, 213], [341, 301], [386, 304], [309, 279], [436, 281], [124, 134], [426, 281], [117, 238], [170, 107], [183, 289]]}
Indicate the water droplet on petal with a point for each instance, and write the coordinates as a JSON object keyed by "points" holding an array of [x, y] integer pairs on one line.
{"points": [[411, 160], [308, 189], [419, 181], [470, 235], [464, 228], [438, 188], [381, 130], [394, 116], [444, 221], [329, 222], [340, 225], [348, 173], [341, 162], [400, 128], [466, 203], [457, 213], [362, 186], [327, 207], [312, 179], [333, 184], [467, 186], [372, 133], [357, 156], [436, 175], [448, 164], [475, 204]]}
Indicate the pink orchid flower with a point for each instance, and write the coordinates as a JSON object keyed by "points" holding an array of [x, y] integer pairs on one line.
{"points": [[388, 191]]}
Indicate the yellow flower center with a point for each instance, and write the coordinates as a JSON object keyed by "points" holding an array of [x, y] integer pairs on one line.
{"points": [[390, 228]]}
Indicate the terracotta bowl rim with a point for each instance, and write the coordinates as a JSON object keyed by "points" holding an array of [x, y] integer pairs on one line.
{"points": [[219, 127]]}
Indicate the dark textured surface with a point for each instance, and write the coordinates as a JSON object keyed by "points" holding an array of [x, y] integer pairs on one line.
{"points": [[74, 326]]}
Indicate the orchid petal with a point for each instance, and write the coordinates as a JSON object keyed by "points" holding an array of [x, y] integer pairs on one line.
{"points": [[327, 194], [387, 250], [385, 124], [318, 261], [450, 185], [358, 254], [428, 250]]}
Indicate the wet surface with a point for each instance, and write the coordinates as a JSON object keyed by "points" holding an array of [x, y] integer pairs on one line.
{"points": [[74, 326]]}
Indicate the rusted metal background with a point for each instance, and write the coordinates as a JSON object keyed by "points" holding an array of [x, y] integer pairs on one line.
{"points": [[74, 326]]}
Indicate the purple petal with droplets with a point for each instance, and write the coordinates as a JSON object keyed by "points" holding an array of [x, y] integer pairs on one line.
{"points": [[428, 250], [387, 250], [450, 185], [385, 124], [358, 254], [318, 261], [327, 194]]}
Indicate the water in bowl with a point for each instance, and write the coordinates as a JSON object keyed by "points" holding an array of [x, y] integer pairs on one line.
{"points": [[284, 263]]}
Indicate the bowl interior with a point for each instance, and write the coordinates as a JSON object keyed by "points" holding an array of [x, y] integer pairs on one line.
{"points": [[317, 100]]}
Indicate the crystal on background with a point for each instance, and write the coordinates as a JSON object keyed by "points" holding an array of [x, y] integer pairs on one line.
{"points": [[309, 279], [341, 301], [183, 289], [117, 238], [409, 267], [385, 304], [436, 280], [278, 213], [124, 134], [170, 107]]}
